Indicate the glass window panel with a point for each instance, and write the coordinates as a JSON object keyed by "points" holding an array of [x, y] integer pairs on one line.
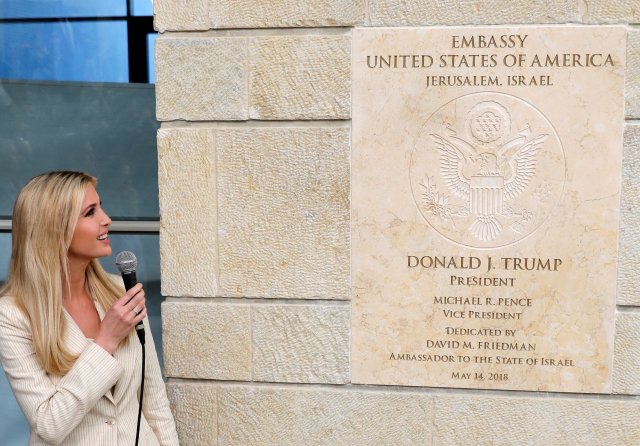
{"points": [[14, 428], [142, 7], [93, 51], [107, 130], [29, 9], [5, 254], [13, 425], [151, 45]]}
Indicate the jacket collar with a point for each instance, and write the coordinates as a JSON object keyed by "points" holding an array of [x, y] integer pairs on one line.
{"points": [[76, 340]]}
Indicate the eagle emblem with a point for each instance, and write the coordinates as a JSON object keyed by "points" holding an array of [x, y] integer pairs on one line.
{"points": [[484, 183], [488, 179]]}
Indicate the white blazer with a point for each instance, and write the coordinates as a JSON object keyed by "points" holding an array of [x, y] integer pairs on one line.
{"points": [[96, 403]]}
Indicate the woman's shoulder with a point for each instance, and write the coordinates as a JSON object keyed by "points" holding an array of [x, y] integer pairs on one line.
{"points": [[7, 303], [10, 311]]}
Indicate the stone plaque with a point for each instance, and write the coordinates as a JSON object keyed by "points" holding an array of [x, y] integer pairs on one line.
{"points": [[485, 206]]}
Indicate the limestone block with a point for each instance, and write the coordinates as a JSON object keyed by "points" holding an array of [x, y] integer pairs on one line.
{"points": [[186, 176], [283, 212], [469, 12], [611, 11], [207, 340], [301, 343], [629, 243], [180, 15], [496, 421], [632, 77], [304, 77], [206, 14], [195, 410], [626, 359], [200, 79], [265, 416]]}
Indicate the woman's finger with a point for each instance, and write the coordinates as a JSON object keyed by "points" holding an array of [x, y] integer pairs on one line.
{"points": [[137, 303], [130, 294], [140, 316]]}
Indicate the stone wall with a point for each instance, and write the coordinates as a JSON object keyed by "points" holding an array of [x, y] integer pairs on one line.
{"points": [[254, 172]]}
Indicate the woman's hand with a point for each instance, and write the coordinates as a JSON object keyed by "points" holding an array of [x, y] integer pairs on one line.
{"points": [[125, 314]]}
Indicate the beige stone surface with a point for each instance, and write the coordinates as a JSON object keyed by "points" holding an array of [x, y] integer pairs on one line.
{"points": [[469, 12], [283, 195], [264, 416], [195, 410], [305, 77], [507, 188], [180, 15], [632, 79], [496, 421], [611, 11], [301, 343], [629, 242], [188, 212], [200, 79], [206, 340], [626, 358], [287, 416], [209, 14]]}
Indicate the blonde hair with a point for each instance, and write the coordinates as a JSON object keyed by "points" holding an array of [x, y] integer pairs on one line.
{"points": [[44, 220]]}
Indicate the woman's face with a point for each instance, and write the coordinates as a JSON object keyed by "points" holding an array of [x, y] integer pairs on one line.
{"points": [[90, 238]]}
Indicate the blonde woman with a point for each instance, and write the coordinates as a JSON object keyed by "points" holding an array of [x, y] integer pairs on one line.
{"points": [[67, 343]]}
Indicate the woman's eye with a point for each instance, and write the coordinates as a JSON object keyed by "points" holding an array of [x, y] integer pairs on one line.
{"points": [[90, 212]]}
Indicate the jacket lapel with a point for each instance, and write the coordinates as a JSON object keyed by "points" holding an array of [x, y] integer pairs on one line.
{"points": [[125, 356], [77, 342]]}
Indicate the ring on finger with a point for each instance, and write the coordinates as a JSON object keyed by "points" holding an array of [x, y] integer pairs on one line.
{"points": [[136, 310]]}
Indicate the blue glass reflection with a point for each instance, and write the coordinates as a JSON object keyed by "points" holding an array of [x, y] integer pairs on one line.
{"points": [[14, 427], [151, 45], [93, 51], [107, 130], [142, 7], [30, 9], [5, 254]]}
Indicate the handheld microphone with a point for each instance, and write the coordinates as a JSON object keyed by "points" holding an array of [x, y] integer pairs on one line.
{"points": [[127, 263]]}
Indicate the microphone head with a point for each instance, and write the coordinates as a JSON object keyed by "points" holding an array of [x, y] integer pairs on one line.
{"points": [[126, 262]]}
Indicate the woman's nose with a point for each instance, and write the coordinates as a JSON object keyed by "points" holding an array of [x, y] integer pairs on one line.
{"points": [[106, 221]]}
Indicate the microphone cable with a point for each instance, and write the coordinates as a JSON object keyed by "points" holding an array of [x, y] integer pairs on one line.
{"points": [[141, 337]]}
